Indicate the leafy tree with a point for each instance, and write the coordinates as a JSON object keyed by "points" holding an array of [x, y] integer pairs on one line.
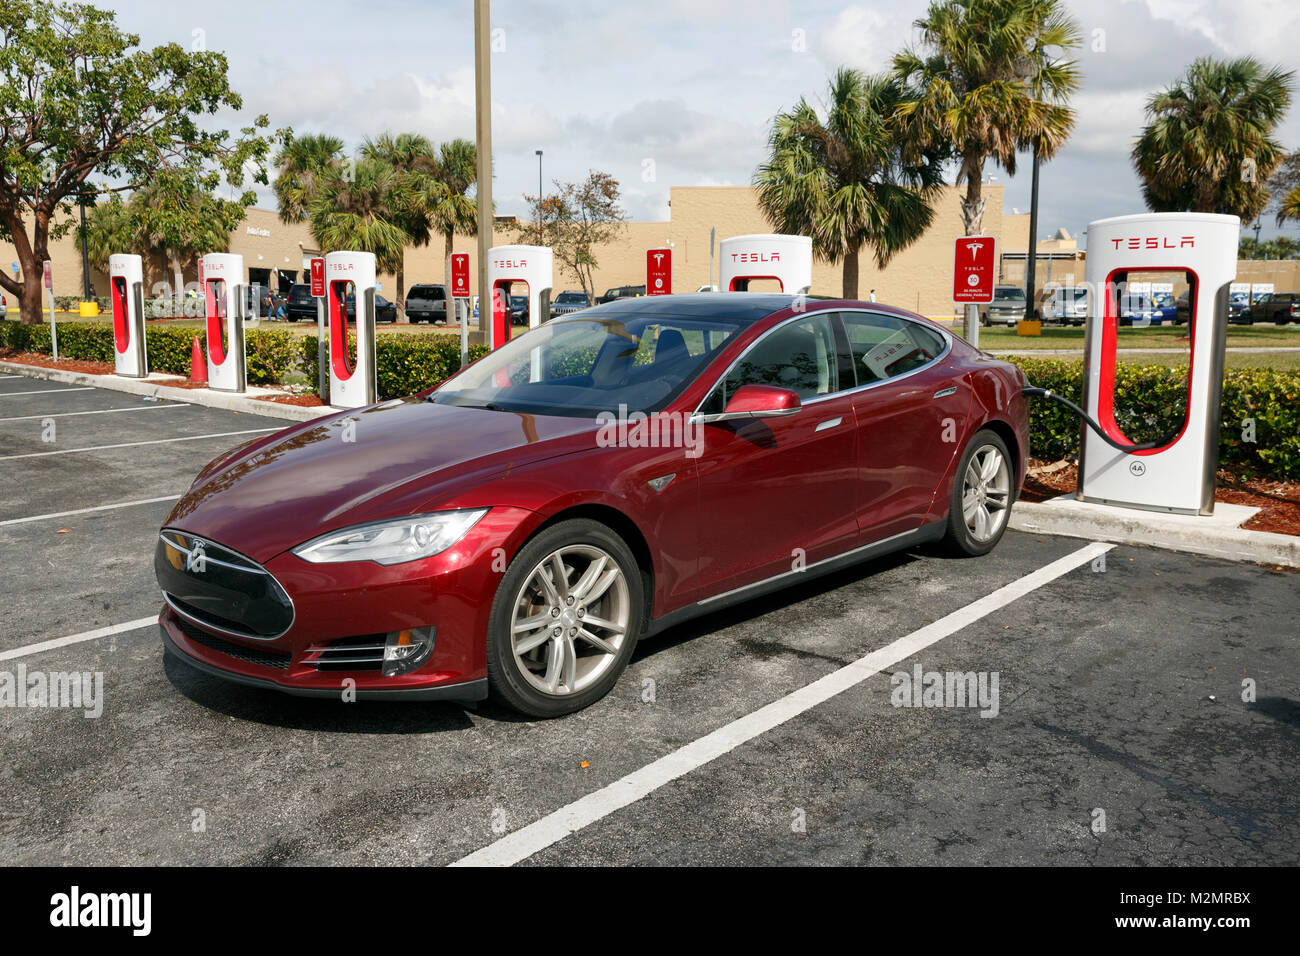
{"points": [[1208, 144], [78, 96], [989, 81], [1284, 189], [573, 221], [300, 165], [843, 181]]}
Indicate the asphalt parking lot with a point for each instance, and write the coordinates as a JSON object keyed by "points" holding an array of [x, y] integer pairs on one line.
{"points": [[1120, 736]]}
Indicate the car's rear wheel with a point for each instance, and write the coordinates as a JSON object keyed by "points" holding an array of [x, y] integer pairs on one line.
{"points": [[565, 620], [981, 496]]}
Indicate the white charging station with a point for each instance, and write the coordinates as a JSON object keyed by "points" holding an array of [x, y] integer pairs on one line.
{"points": [[1178, 477], [126, 296], [532, 265], [787, 259], [350, 278], [222, 277]]}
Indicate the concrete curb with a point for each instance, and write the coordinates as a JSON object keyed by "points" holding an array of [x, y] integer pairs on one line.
{"points": [[156, 387], [1217, 536]]}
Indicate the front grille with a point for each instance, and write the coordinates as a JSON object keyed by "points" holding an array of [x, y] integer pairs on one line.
{"points": [[365, 653], [220, 589], [251, 655]]}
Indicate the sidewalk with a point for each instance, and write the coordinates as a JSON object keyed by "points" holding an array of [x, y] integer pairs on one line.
{"points": [[156, 386], [1218, 535]]}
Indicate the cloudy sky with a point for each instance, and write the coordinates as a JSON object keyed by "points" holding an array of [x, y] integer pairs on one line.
{"points": [[678, 92]]}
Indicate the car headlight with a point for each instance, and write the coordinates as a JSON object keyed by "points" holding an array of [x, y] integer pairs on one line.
{"points": [[393, 541]]}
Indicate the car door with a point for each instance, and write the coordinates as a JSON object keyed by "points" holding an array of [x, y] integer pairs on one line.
{"points": [[910, 412], [777, 494]]}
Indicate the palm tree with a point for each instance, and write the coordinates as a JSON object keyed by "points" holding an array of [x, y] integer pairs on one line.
{"points": [[1207, 146], [989, 83], [417, 194], [1290, 208], [111, 227], [843, 180], [456, 168], [302, 163], [359, 210]]}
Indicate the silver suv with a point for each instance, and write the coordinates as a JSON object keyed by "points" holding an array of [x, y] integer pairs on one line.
{"points": [[1007, 307]]}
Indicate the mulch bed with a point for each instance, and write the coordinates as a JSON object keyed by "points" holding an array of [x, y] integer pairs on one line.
{"points": [[305, 401], [68, 365], [1278, 501]]}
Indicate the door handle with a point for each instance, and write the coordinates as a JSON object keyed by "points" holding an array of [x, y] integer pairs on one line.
{"points": [[829, 423]]}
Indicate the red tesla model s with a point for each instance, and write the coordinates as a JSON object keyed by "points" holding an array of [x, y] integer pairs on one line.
{"points": [[517, 530]]}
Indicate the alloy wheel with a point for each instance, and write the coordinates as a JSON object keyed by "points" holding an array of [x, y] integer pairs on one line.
{"points": [[570, 619], [986, 493]]}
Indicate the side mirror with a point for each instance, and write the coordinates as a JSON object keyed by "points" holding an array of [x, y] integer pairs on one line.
{"points": [[755, 401]]}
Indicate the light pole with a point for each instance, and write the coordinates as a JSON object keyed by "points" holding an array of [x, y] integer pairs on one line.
{"points": [[483, 128], [539, 175]]}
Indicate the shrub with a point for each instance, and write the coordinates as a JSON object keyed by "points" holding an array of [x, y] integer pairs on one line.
{"points": [[405, 364], [1266, 401]]}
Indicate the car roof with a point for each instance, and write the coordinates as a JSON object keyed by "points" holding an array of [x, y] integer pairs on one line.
{"points": [[732, 306]]}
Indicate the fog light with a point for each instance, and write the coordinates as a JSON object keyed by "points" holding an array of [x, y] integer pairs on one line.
{"points": [[406, 650]]}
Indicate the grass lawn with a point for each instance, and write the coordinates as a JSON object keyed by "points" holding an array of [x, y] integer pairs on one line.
{"points": [[1158, 337]]}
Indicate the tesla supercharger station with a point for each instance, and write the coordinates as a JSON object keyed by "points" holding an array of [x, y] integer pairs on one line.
{"points": [[787, 259], [350, 276], [533, 265], [222, 277], [1179, 475], [126, 294]]}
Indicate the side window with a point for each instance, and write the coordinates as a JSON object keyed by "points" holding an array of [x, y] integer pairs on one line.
{"points": [[799, 356], [884, 346]]}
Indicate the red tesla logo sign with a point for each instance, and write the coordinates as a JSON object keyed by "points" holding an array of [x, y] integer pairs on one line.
{"points": [[659, 272], [318, 277], [973, 270], [460, 275]]}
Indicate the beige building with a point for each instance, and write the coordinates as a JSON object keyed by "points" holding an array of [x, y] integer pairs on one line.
{"points": [[919, 278]]}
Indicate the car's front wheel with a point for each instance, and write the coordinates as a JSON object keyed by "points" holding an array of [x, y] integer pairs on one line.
{"points": [[981, 496], [565, 620]]}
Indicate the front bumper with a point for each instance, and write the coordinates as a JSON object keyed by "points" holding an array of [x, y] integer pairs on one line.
{"points": [[360, 601]]}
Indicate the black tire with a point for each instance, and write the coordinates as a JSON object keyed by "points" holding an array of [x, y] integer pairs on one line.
{"points": [[959, 539], [506, 679]]}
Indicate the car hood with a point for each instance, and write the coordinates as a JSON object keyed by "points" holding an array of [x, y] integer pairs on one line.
{"points": [[362, 465]]}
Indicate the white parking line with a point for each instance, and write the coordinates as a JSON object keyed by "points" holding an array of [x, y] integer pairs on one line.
{"points": [[47, 391], [86, 511], [77, 638], [584, 811], [132, 444], [101, 411]]}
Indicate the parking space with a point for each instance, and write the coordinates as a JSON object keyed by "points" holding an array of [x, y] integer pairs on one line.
{"points": [[1120, 691]]}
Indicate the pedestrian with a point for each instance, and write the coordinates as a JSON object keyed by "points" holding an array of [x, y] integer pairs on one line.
{"points": [[872, 296]]}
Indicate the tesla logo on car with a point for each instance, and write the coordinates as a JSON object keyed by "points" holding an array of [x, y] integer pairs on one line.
{"points": [[1156, 242], [197, 559]]}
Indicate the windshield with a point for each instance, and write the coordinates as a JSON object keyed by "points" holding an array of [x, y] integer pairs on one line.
{"points": [[580, 367], [571, 298], [1008, 295]]}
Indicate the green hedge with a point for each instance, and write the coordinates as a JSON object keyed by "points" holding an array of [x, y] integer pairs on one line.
{"points": [[1154, 399], [405, 363], [271, 353]]}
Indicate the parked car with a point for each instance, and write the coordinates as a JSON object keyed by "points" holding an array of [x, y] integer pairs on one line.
{"points": [[1238, 307], [621, 292], [519, 310], [1068, 306], [568, 302], [1138, 309], [4, 306], [1280, 308], [427, 303], [1007, 307], [300, 303], [324, 566]]}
